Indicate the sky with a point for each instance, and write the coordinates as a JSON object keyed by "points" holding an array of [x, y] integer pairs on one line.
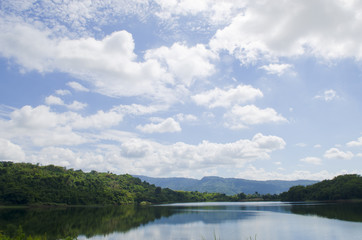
{"points": [[258, 89]]}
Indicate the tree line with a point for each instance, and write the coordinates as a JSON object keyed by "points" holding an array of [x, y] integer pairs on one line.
{"points": [[30, 184], [342, 187]]}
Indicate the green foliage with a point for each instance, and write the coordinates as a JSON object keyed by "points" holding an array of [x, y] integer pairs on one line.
{"points": [[28, 184], [339, 188]]}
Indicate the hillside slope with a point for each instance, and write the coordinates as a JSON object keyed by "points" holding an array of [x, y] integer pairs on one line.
{"points": [[25, 183], [342, 187]]}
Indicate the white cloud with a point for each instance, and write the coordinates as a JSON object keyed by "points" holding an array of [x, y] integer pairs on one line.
{"points": [[242, 116], [338, 154], [141, 156], [185, 159], [357, 143], [99, 120], [56, 155], [254, 173], [75, 159], [34, 118], [270, 30], [137, 109], [277, 69], [53, 100], [226, 98], [77, 86], [62, 92], [328, 95], [185, 63], [10, 151], [136, 148], [212, 11], [186, 117], [166, 125], [270, 143], [75, 105], [182, 7], [312, 160], [73, 17], [58, 136], [109, 65], [42, 127]]}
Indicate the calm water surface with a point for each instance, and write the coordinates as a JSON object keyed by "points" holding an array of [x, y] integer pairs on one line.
{"points": [[265, 220]]}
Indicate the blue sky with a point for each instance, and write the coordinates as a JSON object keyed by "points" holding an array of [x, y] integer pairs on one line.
{"points": [[248, 89]]}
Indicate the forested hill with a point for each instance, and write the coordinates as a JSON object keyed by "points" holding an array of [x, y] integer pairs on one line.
{"points": [[25, 183], [229, 186], [341, 187]]}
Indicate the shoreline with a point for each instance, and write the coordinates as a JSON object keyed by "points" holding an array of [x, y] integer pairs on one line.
{"points": [[57, 205]]}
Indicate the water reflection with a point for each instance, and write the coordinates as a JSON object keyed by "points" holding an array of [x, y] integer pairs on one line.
{"points": [[58, 223], [341, 211]]}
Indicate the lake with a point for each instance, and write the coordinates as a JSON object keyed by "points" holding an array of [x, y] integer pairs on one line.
{"points": [[196, 221]]}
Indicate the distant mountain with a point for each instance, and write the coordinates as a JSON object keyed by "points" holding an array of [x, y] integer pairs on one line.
{"points": [[229, 186]]}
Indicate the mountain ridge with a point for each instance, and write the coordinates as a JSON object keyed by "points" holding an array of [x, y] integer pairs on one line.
{"points": [[229, 186]]}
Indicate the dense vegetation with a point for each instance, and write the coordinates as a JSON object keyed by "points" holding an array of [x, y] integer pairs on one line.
{"points": [[25, 183], [339, 188], [29, 184], [229, 186]]}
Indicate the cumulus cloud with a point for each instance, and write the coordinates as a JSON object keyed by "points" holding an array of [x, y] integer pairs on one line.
{"points": [[43, 127], [66, 157], [77, 87], [62, 92], [338, 154], [75, 105], [226, 98], [357, 143], [39, 117], [10, 151], [277, 69], [109, 65], [312, 160], [138, 109], [240, 117], [186, 117], [166, 125], [141, 156], [136, 148], [268, 30], [213, 12], [53, 100], [73, 17], [178, 158], [269, 143], [254, 173], [185, 63]]}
